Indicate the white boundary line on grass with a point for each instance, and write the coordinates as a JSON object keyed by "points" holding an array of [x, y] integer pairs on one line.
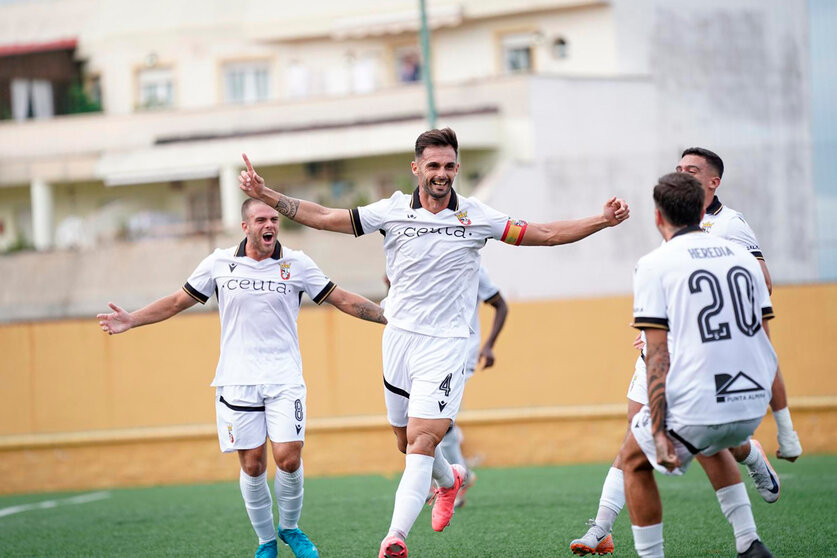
{"points": [[48, 504]]}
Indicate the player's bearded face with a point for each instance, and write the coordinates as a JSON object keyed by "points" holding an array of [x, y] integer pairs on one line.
{"points": [[262, 226], [437, 170]]}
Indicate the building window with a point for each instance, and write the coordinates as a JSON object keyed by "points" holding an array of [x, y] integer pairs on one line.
{"points": [[517, 53], [560, 48], [32, 99], [246, 82], [408, 64], [156, 88]]}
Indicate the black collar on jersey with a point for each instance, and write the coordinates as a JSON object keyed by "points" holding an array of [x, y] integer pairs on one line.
{"points": [[453, 204], [241, 252], [686, 230], [715, 207]]}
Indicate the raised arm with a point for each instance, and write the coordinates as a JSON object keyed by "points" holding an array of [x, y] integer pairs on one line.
{"points": [[564, 232], [501, 310], [657, 361], [356, 305], [120, 321], [304, 212]]}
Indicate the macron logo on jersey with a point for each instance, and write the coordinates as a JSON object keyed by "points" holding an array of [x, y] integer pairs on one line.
{"points": [[740, 387], [232, 267]]}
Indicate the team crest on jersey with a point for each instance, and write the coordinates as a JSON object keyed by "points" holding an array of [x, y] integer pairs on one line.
{"points": [[706, 226], [285, 270], [230, 432], [463, 217]]}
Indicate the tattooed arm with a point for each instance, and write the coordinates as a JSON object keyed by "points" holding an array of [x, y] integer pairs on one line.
{"points": [[657, 364], [304, 212], [356, 305]]}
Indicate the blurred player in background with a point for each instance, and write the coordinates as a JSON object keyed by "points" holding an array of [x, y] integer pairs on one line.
{"points": [[483, 357], [719, 221], [260, 391], [432, 240], [703, 304]]}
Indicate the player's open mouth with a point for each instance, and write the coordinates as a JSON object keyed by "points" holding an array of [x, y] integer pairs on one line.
{"points": [[267, 237]]}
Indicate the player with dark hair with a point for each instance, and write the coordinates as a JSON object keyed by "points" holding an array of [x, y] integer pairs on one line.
{"points": [[259, 387], [721, 221], [432, 239], [703, 304]]}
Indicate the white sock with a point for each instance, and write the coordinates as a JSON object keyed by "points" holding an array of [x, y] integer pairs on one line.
{"points": [[752, 457], [648, 541], [289, 490], [412, 490], [736, 508], [442, 471], [452, 448], [612, 500], [258, 504]]}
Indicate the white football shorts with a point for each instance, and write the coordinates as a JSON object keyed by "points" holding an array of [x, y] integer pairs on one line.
{"points": [[638, 390], [690, 440], [246, 415], [473, 349], [424, 376]]}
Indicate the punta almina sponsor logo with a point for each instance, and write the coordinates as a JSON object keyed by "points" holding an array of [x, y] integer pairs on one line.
{"points": [[255, 285], [710, 252], [415, 232], [741, 387]]}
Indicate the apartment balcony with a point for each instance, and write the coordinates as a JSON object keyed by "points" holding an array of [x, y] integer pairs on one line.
{"points": [[167, 145]]}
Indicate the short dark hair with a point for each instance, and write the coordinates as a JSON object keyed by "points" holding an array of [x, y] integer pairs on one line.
{"points": [[709, 156], [439, 138], [245, 207], [679, 197]]}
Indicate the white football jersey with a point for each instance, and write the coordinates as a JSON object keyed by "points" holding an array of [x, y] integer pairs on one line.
{"points": [[259, 304], [710, 294], [728, 223], [486, 291], [432, 260]]}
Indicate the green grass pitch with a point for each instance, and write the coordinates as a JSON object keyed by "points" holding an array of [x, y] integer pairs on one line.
{"points": [[524, 512]]}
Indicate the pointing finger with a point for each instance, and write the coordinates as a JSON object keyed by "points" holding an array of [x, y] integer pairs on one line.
{"points": [[248, 163]]}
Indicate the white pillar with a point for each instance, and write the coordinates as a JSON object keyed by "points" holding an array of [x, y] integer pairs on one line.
{"points": [[231, 198], [43, 210]]}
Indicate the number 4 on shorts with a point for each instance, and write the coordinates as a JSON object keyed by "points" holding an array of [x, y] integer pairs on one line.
{"points": [[445, 385]]}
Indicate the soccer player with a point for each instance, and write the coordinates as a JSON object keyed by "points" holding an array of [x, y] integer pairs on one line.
{"points": [[260, 390], [483, 356], [721, 221], [432, 239], [703, 304]]}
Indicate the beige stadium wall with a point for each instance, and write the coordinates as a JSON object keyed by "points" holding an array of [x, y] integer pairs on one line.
{"points": [[82, 409]]}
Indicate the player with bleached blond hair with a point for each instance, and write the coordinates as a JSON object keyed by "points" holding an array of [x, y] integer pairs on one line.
{"points": [[260, 391]]}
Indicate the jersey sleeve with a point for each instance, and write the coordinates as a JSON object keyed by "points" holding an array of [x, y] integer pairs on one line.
{"points": [[372, 217], [762, 294], [503, 227], [316, 283], [201, 284], [486, 289], [739, 232], [649, 298]]}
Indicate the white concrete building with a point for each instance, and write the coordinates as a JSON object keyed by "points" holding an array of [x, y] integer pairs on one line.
{"points": [[557, 104]]}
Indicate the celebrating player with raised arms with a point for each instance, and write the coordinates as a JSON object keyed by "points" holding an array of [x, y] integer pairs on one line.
{"points": [[259, 386], [432, 239]]}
